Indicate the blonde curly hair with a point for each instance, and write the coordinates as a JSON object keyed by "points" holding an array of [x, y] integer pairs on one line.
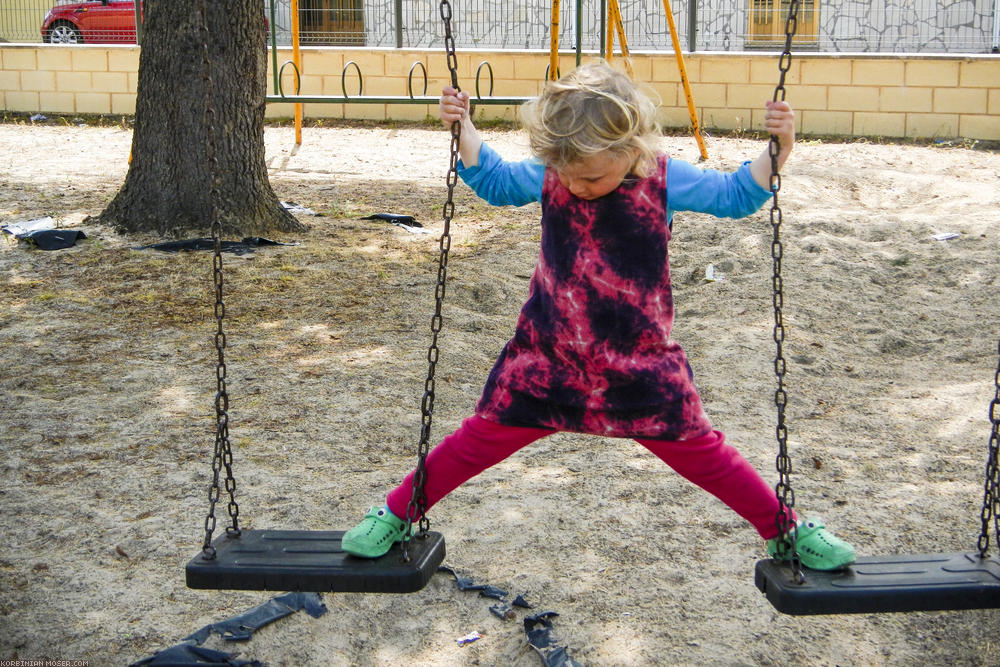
{"points": [[593, 109]]}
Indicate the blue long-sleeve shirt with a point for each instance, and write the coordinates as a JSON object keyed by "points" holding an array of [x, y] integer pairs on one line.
{"points": [[722, 194]]}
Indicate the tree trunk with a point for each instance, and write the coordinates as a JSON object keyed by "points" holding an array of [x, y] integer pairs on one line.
{"points": [[168, 186]]}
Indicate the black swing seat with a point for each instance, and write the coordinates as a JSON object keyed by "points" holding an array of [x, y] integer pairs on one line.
{"points": [[876, 584], [312, 561]]}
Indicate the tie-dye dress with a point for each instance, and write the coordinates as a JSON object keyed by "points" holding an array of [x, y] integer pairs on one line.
{"points": [[592, 351]]}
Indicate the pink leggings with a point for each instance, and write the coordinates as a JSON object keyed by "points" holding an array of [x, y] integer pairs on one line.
{"points": [[706, 460]]}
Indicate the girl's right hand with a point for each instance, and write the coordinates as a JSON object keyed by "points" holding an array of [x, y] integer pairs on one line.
{"points": [[454, 106]]}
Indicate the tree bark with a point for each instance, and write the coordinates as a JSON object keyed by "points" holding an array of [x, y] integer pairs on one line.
{"points": [[168, 186]]}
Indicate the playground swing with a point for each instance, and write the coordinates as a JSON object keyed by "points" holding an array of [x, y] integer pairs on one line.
{"points": [[902, 583], [299, 560]]}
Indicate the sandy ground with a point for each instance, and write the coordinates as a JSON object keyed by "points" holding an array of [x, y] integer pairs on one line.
{"points": [[108, 378]]}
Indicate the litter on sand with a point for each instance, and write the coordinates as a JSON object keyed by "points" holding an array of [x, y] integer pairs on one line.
{"points": [[244, 247], [539, 630], [292, 207], [945, 236], [236, 629], [469, 638], [42, 233], [407, 222], [712, 275]]}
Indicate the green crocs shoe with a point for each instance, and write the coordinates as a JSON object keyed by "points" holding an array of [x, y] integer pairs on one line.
{"points": [[375, 535], [818, 548]]}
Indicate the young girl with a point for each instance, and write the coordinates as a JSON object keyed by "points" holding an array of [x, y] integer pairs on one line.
{"points": [[592, 351]]}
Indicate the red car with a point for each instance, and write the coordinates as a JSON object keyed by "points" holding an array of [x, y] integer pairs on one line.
{"points": [[93, 22]]}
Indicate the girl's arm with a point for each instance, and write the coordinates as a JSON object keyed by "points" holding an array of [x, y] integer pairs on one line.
{"points": [[454, 106], [779, 120], [498, 182], [734, 194], [503, 183]]}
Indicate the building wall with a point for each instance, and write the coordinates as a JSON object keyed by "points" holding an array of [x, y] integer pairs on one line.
{"points": [[933, 96]]}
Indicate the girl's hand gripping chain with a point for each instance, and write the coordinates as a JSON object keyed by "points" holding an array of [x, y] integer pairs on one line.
{"points": [[455, 106]]}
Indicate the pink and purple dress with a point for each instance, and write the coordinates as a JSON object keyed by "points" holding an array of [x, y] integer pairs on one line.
{"points": [[592, 351]]}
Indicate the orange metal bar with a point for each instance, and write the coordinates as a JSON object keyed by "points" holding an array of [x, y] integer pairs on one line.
{"points": [[619, 26], [554, 42], [609, 38], [684, 80], [615, 21], [297, 61]]}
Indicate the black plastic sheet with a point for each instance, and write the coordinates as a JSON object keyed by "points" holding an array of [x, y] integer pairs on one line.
{"points": [[540, 632], [189, 653], [247, 245], [241, 628], [40, 234]]}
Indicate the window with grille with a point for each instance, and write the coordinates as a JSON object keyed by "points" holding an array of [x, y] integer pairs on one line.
{"points": [[767, 22], [332, 22]]}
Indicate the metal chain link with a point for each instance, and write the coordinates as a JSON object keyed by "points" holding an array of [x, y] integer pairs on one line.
{"points": [[784, 491], [991, 495], [417, 508], [223, 456]]}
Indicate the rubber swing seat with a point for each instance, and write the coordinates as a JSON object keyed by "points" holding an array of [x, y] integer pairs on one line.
{"points": [[312, 561], [877, 584]]}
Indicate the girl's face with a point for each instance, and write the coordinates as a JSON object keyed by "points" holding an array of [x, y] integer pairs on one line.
{"points": [[597, 175]]}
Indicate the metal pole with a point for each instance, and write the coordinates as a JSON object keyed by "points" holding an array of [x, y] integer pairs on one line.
{"points": [[554, 42], [684, 79], [609, 36], [138, 23], [615, 17], [579, 30], [274, 46], [996, 26], [604, 24], [297, 59], [399, 23], [693, 25]]}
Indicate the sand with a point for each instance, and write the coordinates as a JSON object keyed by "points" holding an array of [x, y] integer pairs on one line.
{"points": [[109, 373]]}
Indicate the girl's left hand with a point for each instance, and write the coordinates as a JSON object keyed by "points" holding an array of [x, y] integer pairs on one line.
{"points": [[779, 120]]}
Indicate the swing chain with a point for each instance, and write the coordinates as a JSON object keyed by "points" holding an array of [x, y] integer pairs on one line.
{"points": [[991, 496], [785, 493], [417, 508], [223, 455]]}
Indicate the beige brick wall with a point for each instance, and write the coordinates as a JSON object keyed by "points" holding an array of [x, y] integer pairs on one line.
{"points": [[936, 96]]}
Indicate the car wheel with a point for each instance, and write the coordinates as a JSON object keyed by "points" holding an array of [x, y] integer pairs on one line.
{"points": [[64, 32]]}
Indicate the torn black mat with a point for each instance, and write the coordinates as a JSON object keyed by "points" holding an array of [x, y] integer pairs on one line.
{"points": [[394, 218], [247, 245], [241, 628], [187, 655], [407, 222], [540, 636], [501, 609], [51, 239], [538, 628], [237, 628], [467, 584]]}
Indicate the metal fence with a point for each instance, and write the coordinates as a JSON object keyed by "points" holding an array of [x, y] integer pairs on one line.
{"points": [[891, 26]]}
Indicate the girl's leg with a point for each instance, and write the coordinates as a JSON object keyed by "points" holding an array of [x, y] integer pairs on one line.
{"points": [[474, 447], [722, 471]]}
